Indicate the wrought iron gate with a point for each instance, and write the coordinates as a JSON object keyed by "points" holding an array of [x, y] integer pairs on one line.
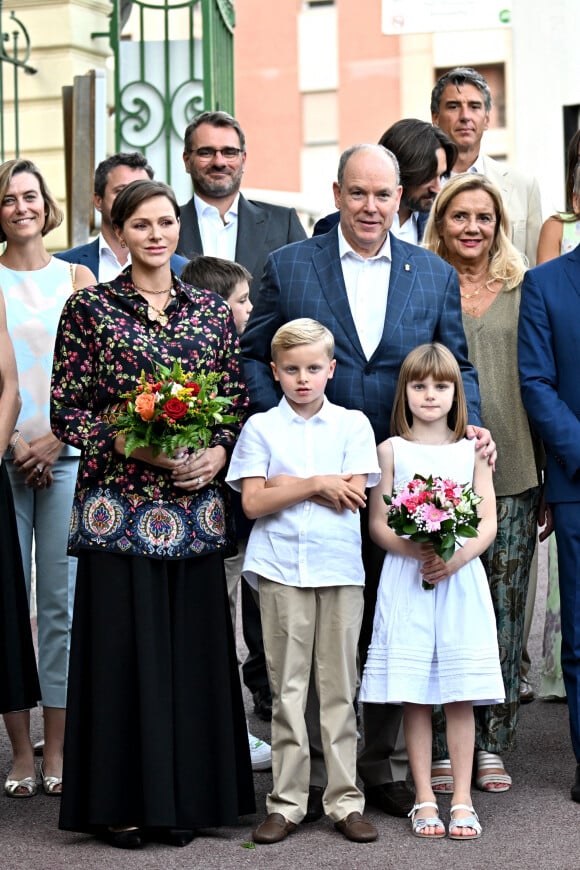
{"points": [[179, 62]]}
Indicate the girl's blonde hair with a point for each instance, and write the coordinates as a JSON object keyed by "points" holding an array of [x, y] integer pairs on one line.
{"points": [[436, 361], [506, 264]]}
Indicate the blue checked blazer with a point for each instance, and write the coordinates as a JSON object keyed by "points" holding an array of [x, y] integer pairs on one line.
{"points": [[305, 280]]}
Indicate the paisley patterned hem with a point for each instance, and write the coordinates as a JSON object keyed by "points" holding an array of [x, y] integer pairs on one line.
{"points": [[191, 525]]}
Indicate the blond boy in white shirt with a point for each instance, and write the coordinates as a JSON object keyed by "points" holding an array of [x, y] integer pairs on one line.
{"points": [[302, 468]]}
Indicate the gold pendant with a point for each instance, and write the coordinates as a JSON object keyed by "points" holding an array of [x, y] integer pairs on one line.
{"points": [[157, 316]]}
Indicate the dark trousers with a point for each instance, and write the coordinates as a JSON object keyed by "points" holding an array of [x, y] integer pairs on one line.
{"points": [[566, 517], [254, 667]]}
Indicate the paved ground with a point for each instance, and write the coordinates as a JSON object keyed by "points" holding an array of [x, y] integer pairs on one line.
{"points": [[535, 825]]}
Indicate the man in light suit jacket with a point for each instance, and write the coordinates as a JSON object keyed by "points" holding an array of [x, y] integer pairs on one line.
{"points": [[460, 105], [380, 297], [218, 220], [550, 386], [105, 256]]}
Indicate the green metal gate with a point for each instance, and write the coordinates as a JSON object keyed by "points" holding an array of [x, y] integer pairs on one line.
{"points": [[177, 63], [15, 52]]}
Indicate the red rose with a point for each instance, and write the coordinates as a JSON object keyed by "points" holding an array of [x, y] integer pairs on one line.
{"points": [[193, 387], [175, 408]]}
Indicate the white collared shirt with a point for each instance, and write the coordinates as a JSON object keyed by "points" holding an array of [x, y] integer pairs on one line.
{"points": [[305, 545], [477, 168], [109, 266], [409, 231], [218, 239], [367, 286]]}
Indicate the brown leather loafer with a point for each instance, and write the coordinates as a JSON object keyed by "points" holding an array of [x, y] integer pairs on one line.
{"points": [[356, 828], [273, 829]]}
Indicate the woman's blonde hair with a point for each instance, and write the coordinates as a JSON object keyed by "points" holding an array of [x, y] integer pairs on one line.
{"points": [[436, 361], [506, 264], [53, 213], [302, 331]]}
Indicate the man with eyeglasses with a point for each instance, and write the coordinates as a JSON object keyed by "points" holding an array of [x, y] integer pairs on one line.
{"points": [[218, 219]]}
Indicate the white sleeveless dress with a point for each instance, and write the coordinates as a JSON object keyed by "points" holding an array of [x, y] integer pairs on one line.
{"points": [[438, 646]]}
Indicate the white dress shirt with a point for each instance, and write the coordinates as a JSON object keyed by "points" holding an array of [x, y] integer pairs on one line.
{"points": [[477, 168], [367, 286], [305, 545], [109, 266], [218, 238], [409, 231]]}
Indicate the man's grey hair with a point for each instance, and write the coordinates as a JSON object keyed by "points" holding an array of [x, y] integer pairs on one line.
{"points": [[378, 149], [461, 75]]}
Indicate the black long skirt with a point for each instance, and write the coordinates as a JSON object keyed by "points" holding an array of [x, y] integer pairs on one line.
{"points": [[156, 734], [19, 689]]}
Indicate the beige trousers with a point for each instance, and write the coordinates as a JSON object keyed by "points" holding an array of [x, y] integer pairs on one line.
{"points": [[312, 630]]}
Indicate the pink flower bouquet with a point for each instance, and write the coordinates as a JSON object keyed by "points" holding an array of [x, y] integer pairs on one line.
{"points": [[170, 408], [436, 511]]}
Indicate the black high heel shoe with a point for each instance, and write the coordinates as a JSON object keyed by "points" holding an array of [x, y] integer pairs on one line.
{"points": [[129, 838], [173, 836]]}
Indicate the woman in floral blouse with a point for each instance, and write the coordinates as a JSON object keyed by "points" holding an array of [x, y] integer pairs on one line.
{"points": [[152, 647]]}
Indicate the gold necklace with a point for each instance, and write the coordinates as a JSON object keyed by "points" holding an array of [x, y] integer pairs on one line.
{"points": [[473, 309], [157, 315], [472, 278], [169, 289], [477, 290]]}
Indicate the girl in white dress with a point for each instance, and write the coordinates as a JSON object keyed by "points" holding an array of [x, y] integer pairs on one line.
{"points": [[437, 646]]}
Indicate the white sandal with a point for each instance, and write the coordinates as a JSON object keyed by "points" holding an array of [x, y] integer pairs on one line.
{"points": [[442, 783], [486, 761], [470, 821], [419, 825]]}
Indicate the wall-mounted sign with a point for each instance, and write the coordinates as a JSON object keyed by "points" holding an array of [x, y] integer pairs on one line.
{"points": [[432, 16]]}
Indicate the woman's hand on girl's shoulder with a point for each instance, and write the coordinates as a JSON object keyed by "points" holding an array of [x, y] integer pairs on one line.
{"points": [[484, 443]]}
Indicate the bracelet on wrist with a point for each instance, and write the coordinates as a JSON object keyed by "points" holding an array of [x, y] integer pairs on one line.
{"points": [[14, 439]]}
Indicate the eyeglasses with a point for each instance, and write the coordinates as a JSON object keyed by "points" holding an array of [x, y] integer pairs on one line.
{"points": [[208, 153], [461, 218]]}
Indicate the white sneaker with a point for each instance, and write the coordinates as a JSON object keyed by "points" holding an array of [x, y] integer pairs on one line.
{"points": [[260, 753]]}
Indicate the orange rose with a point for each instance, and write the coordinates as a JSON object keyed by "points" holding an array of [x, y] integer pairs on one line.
{"points": [[145, 406]]}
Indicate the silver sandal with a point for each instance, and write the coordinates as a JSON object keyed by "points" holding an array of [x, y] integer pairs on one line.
{"points": [[419, 825], [29, 783], [471, 821], [51, 785]]}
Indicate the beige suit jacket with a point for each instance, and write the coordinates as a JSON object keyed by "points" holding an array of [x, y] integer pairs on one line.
{"points": [[521, 196]]}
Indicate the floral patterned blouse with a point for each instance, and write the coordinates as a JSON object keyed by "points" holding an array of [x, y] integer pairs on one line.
{"points": [[104, 340]]}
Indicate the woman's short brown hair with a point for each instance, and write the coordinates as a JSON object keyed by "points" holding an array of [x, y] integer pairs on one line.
{"points": [[133, 195], [52, 210]]}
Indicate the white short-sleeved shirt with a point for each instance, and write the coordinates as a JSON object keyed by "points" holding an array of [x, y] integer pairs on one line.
{"points": [[306, 545]]}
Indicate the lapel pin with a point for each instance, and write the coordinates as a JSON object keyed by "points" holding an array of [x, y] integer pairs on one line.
{"points": [[406, 267]]}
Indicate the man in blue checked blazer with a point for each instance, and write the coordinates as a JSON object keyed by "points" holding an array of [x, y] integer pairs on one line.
{"points": [[380, 297]]}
